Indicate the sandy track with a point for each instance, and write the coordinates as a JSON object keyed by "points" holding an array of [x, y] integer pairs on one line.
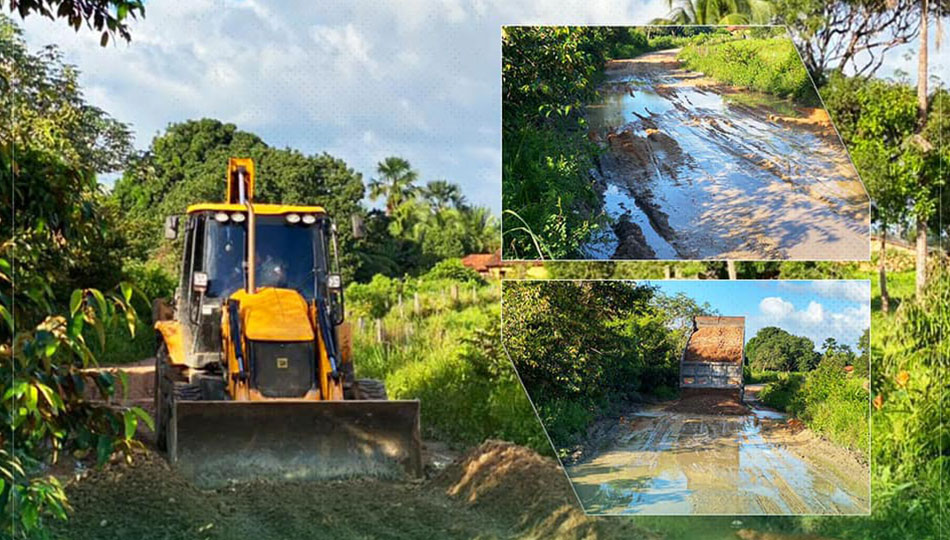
{"points": [[697, 170], [664, 462]]}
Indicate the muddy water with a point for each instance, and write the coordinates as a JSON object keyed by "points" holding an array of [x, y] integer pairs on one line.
{"points": [[696, 170], [670, 463]]}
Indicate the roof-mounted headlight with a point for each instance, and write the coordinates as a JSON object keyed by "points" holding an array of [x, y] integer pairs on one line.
{"points": [[221, 217], [238, 217], [309, 219], [293, 219]]}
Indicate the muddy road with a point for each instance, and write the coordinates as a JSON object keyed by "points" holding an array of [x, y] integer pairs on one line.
{"points": [[694, 169], [665, 461]]}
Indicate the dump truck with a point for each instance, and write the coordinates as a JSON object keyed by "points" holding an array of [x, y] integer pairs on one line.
{"points": [[253, 375], [714, 355]]}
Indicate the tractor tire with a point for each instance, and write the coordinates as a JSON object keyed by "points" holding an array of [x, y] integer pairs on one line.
{"points": [[162, 398], [369, 389], [167, 390]]}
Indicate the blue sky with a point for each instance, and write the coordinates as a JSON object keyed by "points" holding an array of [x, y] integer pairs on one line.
{"points": [[361, 80], [815, 309]]}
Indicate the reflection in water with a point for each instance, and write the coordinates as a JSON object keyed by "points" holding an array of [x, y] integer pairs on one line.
{"points": [[707, 174], [668, 463]]}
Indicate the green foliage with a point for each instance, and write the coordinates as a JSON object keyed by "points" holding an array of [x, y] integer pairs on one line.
{"points": [[60, 234], [910, 435], [828, 399], [373, 299], [751, 376], [107, 16], [548, 196], [834, 403], [548, 74], [878, 121], [775, 349], [580, 347], [768, 65], [717, 12], [453, 270], [185, 165], [782, 390], [452, 362]]}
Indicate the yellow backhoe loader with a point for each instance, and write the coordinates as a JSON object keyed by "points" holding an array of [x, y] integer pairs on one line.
{"points": [[253, 376]]}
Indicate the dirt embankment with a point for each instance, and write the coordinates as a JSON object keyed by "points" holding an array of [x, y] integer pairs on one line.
{"points": [[498, 490]]}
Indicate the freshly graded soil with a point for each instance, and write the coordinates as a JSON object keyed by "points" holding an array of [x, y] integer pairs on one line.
{"points": [[709, 402], [498, 490]]}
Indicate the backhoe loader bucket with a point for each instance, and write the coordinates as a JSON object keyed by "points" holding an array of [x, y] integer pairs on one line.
{"points": [[216, 442]]}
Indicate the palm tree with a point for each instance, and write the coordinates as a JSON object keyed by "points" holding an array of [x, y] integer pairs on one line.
{"points": [[442, 194], [395, 183], [717, 12]]}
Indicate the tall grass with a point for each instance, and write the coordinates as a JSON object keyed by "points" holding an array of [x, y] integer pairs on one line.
{"points": [[448, 356], [770, 65]]}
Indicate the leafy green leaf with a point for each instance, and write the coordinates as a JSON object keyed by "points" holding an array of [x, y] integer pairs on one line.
{"points": [[144, 416], [75, 301]]}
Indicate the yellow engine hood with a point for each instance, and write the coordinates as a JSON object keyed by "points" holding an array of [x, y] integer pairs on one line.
{"points": [[274, 315]]}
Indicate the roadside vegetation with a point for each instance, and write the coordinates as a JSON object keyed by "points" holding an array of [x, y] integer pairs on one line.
{"points": [[831, 396], [436, 338], [767, 64], [584, 350]]}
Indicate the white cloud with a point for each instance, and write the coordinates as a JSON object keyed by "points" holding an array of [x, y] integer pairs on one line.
{"points": [[362, 80], [851, 290], [815, 321]]}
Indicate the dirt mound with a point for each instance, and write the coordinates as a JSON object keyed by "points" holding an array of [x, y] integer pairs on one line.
{"points": [[503, 479], [715, 344], [709, 401], [499, 490]]}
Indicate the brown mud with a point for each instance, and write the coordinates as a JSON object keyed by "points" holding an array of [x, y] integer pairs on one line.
{"points": [[705, 170], [708, 454]]}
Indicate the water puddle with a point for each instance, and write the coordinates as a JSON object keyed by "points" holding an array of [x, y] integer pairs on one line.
{"points": [[674, 464], [705, 173]]}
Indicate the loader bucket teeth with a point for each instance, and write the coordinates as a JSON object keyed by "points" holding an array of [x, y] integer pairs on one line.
{"points": [[214, 443]]}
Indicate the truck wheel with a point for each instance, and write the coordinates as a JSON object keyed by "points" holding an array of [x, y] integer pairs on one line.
{"points": [[369, 389]]}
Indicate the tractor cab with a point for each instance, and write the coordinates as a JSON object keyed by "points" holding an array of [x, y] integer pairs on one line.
{"points": [[295, 250]]}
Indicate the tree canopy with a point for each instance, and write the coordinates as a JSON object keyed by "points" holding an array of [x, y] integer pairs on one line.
{"points": [[774, 349]]}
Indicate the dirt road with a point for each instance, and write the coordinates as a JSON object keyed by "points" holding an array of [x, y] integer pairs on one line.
{"points": [[666, 462], [498, 490], [697, 170]]}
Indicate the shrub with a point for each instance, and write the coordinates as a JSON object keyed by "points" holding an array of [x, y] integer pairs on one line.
{"points": [[454, 270], [451, 361], [767, 65], [549, 197], [781, 394], [374, 298]]}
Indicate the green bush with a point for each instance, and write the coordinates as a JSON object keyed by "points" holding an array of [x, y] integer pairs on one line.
{"points": [[450, 359], [781, 393], [565, 419], [548, 195], [453, 270], [582, 348], [829, 400], [373, 299], [767, 65]]}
